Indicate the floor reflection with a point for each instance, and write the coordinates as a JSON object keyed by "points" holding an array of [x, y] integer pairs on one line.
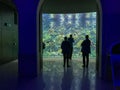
{"points": [[72, 78], [67, 78], [85, 81], [54, 77]]}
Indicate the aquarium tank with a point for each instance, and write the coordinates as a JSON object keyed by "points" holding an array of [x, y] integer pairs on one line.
{"points": [[56, 26]]}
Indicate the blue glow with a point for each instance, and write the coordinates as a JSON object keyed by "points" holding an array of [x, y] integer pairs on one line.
{"points": [[115, 64], [27, 32]]}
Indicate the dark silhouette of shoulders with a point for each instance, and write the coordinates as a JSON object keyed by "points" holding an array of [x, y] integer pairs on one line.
{"points": [[86, 46], [65, 46]]}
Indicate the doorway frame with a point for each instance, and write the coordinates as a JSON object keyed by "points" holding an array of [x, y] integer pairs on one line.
{"points": [[98, 35]]}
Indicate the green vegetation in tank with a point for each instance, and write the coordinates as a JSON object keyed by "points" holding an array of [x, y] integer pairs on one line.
{"points": [[57, 26]]}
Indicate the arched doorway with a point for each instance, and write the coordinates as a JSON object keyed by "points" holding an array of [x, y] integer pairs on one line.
{"points": [[55, 8], [8, 32]]}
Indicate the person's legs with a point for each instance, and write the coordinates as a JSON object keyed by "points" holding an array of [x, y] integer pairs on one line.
{"points": [[70, 54], [71, 51], [87, 57], [68, 60], [64, 57], [83, 59]]}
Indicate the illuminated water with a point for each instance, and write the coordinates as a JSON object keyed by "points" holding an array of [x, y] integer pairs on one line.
{"points": [[56, 26]]}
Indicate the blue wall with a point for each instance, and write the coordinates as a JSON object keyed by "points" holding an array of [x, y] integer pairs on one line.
{"points": [[27, 29], [110, 31]]}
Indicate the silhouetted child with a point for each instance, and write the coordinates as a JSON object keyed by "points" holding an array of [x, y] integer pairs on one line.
{"points": [[65, 46], [86, 50]]}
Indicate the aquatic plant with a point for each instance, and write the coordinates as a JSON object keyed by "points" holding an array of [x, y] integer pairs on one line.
{"points": [[57, 26]]}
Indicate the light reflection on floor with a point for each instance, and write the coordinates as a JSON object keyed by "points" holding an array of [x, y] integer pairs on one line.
{"points": [[73, 78], [54, 77]]}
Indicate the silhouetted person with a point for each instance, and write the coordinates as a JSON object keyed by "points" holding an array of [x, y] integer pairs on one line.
{"points": [[71, 40], [86, 50], [43, 46], [65, 46]]}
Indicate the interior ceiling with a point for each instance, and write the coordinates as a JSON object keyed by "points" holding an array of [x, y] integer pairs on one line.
{"points": [[69, 6], [63, 6]]}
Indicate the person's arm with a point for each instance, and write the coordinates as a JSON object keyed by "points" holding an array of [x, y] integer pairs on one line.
{"points": [[62, 45], [73, 40], [90, 43], [82, 44]]}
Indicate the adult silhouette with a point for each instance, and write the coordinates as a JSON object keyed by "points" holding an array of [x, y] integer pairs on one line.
{"points": [[65, 46], [71, 40], [86, 50]]}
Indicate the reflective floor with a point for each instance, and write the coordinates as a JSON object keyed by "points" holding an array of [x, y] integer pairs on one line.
{"points": [[54, 77]]}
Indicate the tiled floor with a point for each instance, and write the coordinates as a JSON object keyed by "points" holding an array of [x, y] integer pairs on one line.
{"points": [[54, 77]]}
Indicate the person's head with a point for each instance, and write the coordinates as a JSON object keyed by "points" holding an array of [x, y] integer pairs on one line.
{"points": [[87, 36], [65, 38], [71, 35]]}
